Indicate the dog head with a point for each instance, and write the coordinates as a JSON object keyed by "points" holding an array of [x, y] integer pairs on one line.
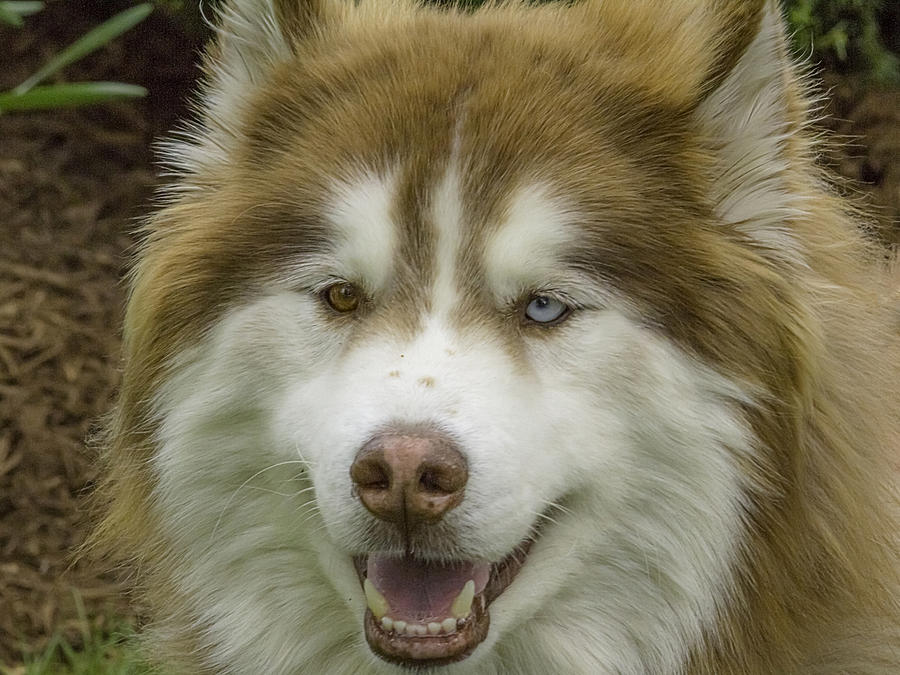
{"points": [[451, 343]]}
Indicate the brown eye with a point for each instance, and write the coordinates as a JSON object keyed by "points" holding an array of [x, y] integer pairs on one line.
{"points": [[342, 297]]}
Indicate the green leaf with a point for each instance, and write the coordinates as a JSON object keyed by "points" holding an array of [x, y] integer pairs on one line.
{"points": [[9, 16], [65, 95], [22, 7], [90, 41]]}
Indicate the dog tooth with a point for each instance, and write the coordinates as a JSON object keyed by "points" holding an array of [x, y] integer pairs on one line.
{"points": [[449, 625], [375, 600], [400, 627], [387, 623], [463, 603], [434, 627]]}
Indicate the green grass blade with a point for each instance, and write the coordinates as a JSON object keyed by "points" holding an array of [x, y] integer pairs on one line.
{"points": [[65, 95], [44, 661], [9, 16], [22, 7], [109, 650], [90, 41]]}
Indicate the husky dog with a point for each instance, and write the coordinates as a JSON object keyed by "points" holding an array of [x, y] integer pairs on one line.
{"points": [[520, 340]]}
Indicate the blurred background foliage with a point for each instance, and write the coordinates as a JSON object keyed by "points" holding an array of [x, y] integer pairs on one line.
{"points": [[846, 36], [861, 36]]}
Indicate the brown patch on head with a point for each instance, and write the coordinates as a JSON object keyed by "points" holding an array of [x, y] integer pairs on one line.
{"points": [[301, 20]]}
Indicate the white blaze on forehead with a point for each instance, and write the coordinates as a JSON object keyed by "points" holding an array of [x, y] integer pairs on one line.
{"points": [[526, 251], [447, 216], [361, 212]]}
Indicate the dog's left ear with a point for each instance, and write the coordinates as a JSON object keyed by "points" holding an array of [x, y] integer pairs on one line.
{"points": [[750, 111]]}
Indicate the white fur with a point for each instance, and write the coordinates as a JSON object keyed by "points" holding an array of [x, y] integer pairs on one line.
{"points": [[526, 252], [447, 218], [365, 232]]}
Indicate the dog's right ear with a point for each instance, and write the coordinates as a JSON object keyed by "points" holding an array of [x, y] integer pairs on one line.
{"points": [[251, 38], [252, 35]]}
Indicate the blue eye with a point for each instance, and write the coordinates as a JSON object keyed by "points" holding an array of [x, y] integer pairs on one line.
{"points": [[544, 309]]}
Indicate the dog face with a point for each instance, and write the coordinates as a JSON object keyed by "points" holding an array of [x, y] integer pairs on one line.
{"points": [[565, 412], [450, 343]]}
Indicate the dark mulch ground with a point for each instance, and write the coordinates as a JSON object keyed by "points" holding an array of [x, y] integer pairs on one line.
{"points": [[867, 125], [71, 185]]}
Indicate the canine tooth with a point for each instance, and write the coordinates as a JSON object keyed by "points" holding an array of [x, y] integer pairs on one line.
{"points": [[387, 623], [463, 603], [375, 600], [448, 625], [400, 627], [434, 627]]}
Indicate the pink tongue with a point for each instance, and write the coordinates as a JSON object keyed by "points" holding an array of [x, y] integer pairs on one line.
{"points": [[418, 590]]}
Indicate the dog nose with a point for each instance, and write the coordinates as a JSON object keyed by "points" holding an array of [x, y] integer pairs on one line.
{"points": [[410, 478]]}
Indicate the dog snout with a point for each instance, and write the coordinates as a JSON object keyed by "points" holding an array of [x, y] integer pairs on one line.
{"points": [[410, 478]]}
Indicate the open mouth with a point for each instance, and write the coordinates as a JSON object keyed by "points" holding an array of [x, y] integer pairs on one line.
{"points": [[422, 613]]}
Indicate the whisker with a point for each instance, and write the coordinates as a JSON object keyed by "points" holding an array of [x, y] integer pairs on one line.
{"points": [[271, 492], [556, 506], [241, 486]]}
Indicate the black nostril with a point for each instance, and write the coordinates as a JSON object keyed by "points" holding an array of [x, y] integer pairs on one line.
{"points": [[429, 482], [372, 474], [381, 481], [380, 484]]}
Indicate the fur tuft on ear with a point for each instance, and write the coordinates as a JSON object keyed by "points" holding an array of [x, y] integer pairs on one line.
{"points": [[739, 23], [252, 37], [676, 51], [749, 122]]}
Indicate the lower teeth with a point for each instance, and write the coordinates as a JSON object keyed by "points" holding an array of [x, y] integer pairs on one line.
{"points": [[445, 627]]}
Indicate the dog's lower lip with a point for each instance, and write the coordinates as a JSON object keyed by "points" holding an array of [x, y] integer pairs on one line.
{"points": [[436, 650], [431, 650]]}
